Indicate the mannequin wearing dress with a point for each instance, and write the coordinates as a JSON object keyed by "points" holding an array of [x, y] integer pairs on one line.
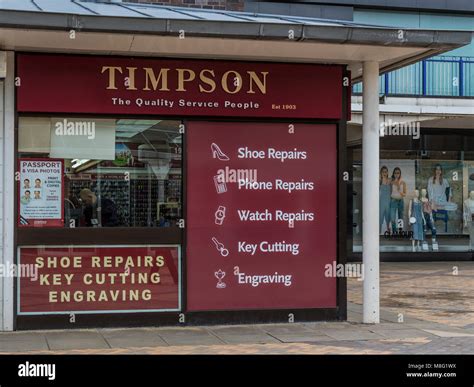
{"points": [[468, 209], [415, 212], [468, 213], [429, 221]]}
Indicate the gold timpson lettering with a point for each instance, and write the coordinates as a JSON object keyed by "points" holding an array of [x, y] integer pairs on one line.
{"points": [[111, 70], [162, 79], [261, 83], [191, 76], [131, 78], [150, 79], [236, 81], [207, 81]]}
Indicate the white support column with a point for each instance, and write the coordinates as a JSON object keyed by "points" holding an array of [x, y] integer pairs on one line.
{"points": [[370, 193], [7, 182]]}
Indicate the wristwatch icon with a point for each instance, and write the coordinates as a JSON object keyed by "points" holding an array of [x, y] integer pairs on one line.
{"points": [[220, 215]]}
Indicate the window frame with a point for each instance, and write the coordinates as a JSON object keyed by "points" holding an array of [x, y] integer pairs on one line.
{"points": [[99, 235]]}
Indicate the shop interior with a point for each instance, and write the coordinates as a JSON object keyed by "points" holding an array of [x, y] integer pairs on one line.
{"points": [[117, 172], [431, 206]]}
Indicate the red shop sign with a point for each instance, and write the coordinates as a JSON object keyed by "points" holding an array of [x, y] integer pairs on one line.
{"points": [[261, 216], [98, 279], [117, 85]]}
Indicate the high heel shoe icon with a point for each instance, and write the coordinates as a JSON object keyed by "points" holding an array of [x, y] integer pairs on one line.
{"points": [[217, 153]]}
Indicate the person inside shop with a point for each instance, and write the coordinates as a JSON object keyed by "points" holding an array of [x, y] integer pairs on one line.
{"points": [[92, 208], [162, 221], [72, 211]]}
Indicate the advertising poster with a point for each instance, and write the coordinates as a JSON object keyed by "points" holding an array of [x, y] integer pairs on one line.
{"points": [[448, 196], [469, 177], [261, 216], [407, 173], [85, 279], [41, 193]]}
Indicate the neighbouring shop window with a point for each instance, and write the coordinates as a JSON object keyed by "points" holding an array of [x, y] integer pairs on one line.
{"points": [[426, 195], [115, 172]]}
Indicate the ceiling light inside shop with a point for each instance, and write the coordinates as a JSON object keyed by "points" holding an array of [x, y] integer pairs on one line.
{"points": [[130, 128], [78, 162]]}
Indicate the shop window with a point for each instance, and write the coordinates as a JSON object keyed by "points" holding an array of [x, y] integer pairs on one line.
{"points": [[115, 172], [426, 198]]}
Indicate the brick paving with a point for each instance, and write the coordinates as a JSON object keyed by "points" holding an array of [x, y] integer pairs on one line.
{"points": [[433, 291], [426, 308]]}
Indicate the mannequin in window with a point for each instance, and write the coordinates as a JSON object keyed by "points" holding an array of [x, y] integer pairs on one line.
{"points": [[429, 222], [417, 220], [468, 213], [468, 209]]}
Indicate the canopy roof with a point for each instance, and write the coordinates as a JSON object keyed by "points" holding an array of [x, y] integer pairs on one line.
{"points": [[105, 27]]}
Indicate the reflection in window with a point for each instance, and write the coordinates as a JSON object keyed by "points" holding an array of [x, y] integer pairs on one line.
{"points": [[118, 173], [431, 203]]}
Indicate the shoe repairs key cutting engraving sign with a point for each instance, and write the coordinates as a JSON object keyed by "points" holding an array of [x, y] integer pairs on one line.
{"points": [[261, 216]]}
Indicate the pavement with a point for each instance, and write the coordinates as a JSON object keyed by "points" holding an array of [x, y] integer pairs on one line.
{"points": [[426, 308]]}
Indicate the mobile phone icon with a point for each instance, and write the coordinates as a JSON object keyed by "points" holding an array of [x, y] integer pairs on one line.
{"points": [[221, 187]]}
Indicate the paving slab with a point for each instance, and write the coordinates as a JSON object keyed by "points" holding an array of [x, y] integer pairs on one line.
{"points": [[245, 334], [126, 338], [332, 324], [354, 307], [302, 337], [276, 329], [394, 317], [354, 316], [433, 325], [188, 336], [22, 341], [75, 340], [390, 326], [402, 333], [448, 333], [351, 334]]}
